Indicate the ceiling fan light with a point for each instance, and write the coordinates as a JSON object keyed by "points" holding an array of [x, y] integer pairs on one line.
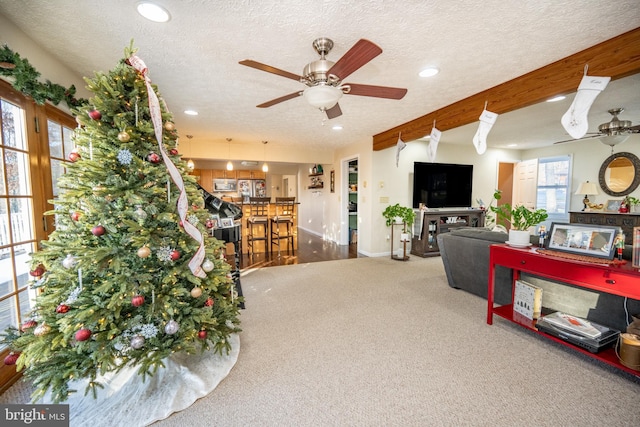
{"points": [[613, 140], [322, 96]]}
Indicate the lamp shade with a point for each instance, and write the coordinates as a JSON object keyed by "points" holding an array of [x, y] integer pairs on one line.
{"points": [[587, 188], [322, 96]]}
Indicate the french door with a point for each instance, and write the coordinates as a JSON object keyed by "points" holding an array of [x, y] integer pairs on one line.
{"points": [[33, 143]]}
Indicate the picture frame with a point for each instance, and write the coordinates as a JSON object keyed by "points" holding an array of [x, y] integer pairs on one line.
{"points": [[332, 181], [226, 222], [216, 202], [216, 220], [612, 205], [583, 239], [635, 256], [224, 185]]}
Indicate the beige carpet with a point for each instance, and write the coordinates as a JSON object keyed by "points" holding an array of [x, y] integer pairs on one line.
{"points": [[377, 342], [373, 342]]}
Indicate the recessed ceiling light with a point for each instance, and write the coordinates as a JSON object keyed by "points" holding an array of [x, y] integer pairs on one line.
{"points": [[556, 98], [512, 145], [429, 72], [337, 127], [191, 112], [153, 12]]}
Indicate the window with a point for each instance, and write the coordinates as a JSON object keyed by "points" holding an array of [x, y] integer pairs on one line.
{"points": [[17, 234], [32, 157], [553, 186]]}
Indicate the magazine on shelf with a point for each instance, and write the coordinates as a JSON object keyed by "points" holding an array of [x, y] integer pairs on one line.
{"points": [[527, 299], [576, 325]]}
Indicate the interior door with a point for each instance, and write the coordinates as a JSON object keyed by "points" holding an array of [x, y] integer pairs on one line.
{"points": [[525, 183]]}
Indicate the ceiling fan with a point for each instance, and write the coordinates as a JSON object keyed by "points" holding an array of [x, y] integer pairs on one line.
{"points": [[613, 132], [324, 78]]}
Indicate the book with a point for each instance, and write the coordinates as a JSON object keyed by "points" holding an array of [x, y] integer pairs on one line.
{"points": [[527, 299], [575, 324]]}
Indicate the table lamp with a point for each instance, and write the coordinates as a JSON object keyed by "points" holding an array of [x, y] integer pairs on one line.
{"points": [[588, 189]]}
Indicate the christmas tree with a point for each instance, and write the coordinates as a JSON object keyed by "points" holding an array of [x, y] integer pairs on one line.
{"points": [[130, 275]]}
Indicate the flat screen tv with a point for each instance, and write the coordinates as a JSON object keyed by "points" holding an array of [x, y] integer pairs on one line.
{"points": [[442, 185]]}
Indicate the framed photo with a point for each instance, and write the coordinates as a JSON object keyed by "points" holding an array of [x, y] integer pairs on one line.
{"points": [[332, 181], [225, 185], [590, 240], [635, 257], [227, 222], [216, 220], [216, 202], [612, 205]]}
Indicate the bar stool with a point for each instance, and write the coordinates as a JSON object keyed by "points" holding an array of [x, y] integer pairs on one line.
{"points": [[284, 216], [258, 216]]}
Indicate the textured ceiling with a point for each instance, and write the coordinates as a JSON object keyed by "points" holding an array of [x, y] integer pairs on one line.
{"points": [[194, 57]]}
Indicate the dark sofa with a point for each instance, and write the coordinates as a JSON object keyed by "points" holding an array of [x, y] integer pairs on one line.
{"points": [[465, 256]]}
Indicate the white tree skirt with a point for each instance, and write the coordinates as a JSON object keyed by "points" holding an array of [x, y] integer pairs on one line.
{"points": [[127, 400]]}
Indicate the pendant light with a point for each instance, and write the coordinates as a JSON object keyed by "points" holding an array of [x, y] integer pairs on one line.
{"points": [[265, 167], [190, 165], [229, 164]]}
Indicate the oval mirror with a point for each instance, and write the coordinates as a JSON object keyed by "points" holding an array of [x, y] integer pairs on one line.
{"points": [[620, 174]]}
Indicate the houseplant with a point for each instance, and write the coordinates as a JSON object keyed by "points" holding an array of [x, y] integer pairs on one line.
{"points": [[632, 203], [404, 214], [520, 219]]}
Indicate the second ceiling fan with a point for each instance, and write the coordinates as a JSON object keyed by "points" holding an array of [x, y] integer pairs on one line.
{"points": [[324, 78]]}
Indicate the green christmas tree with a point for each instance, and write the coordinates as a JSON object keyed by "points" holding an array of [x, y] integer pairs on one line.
{"points": [[130, 275]]}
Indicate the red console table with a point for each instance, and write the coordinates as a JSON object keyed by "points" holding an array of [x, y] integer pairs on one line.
{"points": [[622, 280]]}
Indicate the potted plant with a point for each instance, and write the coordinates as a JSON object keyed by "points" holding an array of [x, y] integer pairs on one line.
{"points": [[632, 203], [397, 214], [520, 219]]}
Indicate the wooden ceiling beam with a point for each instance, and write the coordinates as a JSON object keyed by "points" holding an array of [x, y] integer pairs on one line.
{"points": [[618, 57]]}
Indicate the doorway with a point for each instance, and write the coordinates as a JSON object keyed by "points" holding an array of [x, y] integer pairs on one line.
{"points": [[349, 194]]}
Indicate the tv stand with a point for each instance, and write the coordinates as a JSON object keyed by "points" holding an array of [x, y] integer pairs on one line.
{"points": [[442, 220], [613, 279]]}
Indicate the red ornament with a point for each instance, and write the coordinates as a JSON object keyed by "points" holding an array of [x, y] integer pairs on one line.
{"points": [[29, 324], [153, 158], [181, 224], [208, 302], [173, 151], [95, 114], [98, 230], [137, 300], [75, 216], [11, 358], [74, 156], [202, 335], [83, 334], [38, 271], [62, 308], [175, 255]]}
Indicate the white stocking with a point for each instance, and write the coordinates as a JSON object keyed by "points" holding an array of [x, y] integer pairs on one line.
{"points": [[575, 119], [434, 139], [487, 119], [399, 147]]}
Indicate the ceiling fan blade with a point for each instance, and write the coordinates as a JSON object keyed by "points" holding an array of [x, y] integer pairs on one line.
{"points": [[334, 112], [270, 69], [376, 91], [361, 53], [279, 100], [579, 139]]}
